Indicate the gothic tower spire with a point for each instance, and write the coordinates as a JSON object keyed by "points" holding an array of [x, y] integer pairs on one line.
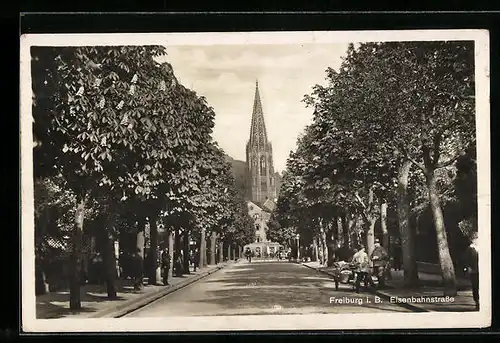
{"points": [[260, 155], [258, 132]]}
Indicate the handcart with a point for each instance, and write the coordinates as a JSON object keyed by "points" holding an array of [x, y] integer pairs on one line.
{"points": [[344, 272]]}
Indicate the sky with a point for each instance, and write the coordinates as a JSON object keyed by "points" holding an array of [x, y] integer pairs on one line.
{"points": [[226, 74]]}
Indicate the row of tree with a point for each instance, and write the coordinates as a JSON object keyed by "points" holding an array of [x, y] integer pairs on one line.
{"points": [[122, 143], [394, 126]]}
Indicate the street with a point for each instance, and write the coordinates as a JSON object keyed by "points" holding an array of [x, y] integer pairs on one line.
{"points": [[260, 287]]}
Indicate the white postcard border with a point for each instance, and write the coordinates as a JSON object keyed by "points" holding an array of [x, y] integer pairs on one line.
{"points": [[265, 322]]}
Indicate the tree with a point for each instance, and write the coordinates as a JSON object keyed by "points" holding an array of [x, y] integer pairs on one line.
{"points": [[112, 120], [411, 103]]}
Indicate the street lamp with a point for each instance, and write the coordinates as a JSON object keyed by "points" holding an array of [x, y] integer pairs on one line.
{"points": [[298, 247]]}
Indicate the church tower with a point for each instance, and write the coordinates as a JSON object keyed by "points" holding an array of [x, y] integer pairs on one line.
{"points": [[260, 156]]}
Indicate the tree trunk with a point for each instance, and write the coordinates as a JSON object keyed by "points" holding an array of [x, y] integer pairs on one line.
{"points": [[207, 254], [345, 230], [228, 251], [405, 231], [221, 250], [185, 241], [153, 249], [447, 268], [171, 239], [330, 240], [352, 236], [75, 278], [177, 249], [370, 236], [383, 224], [213, 241], [370, 222], [340, 232], [109, 260], [202, 248], [41, 285], [315, 250], [324, 247], [140, 243]]}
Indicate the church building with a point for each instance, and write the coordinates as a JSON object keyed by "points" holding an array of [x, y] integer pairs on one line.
{"points": [[262, 180], [259, 153]]}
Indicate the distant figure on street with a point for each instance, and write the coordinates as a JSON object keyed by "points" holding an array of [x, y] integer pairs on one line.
{"points": [[248, 255], [165, 265], [398, 255], [472, 268], [379, 258], [196, 259], [98, 268], [137, 268], [362, 262], [178, 261]]}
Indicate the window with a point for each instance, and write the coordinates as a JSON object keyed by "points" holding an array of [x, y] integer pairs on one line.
{"points": [[262, 165]]}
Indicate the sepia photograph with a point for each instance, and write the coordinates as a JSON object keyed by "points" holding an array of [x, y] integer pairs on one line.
{"points": [[255, 181]]}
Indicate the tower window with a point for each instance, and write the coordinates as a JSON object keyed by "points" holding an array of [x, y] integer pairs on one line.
{"points": [[262, 165]]}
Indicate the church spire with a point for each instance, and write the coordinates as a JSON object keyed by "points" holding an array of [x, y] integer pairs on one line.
{"points": [[258, 133], [260, 156]]}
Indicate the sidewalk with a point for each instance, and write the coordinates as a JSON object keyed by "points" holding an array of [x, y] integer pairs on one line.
{"points": [[430, 286], [95, 303]]}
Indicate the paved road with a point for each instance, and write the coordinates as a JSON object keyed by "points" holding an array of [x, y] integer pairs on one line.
{"points": [[264, 288]]}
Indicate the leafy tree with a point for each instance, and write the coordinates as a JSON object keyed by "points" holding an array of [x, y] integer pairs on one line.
{"points": [[112, 120], [411, 103]]}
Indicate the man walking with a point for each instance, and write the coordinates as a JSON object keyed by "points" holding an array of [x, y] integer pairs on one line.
{"points": [[379, 257], [472, 267], [165, 265], [195, 259], [248, 255], [362, 263]]}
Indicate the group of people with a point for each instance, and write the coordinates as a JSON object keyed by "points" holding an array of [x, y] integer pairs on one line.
{"points": [[135, 266], [379, 260], [367, 266], [194, 259]]}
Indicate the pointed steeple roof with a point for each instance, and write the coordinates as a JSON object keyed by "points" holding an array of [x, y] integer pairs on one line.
{"points": [[258, 132]]}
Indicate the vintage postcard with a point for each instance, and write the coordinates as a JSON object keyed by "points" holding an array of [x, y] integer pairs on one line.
{"points": [[255, 181]]}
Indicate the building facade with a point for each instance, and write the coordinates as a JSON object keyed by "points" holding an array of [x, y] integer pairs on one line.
{"points": [[259, 154], [261, 247]]}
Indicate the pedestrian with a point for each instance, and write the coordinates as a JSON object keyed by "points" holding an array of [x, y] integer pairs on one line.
{"points": [[379, 259], [248, 255], [472, 268], [137, 263], [98, 265], [178, 261], [165, 265], [196, 259], [362, 263], [398, 255]]}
